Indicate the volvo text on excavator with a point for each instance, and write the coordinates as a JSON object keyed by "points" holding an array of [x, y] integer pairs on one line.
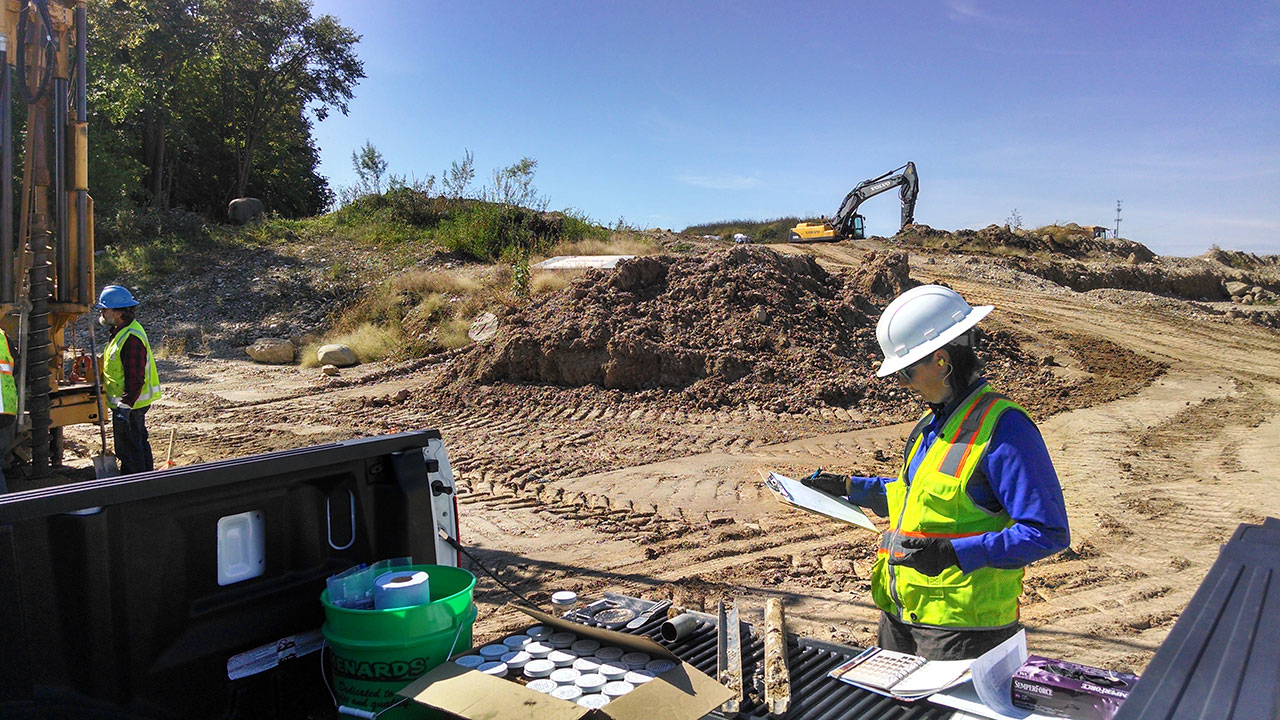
{"points": [[847, 223]]}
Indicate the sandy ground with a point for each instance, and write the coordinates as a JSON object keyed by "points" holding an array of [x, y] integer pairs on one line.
{"points": [[594, 491]]}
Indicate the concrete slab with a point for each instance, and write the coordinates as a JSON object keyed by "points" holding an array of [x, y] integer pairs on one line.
{"points": [[581, 262]]}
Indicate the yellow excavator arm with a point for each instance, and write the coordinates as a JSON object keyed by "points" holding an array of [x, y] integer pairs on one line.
{"points": [[847, 223]]}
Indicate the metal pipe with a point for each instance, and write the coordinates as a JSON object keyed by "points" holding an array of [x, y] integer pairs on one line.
{"points": [[85, 284], [62, 251], [7, 270]]}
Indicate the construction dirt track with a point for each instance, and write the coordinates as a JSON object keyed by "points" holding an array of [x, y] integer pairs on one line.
{"points": [[1164, 443]]}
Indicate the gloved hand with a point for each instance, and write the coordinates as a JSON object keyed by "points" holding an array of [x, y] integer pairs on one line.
{"points": [[829, 483], [122, 410], [928, 555]]}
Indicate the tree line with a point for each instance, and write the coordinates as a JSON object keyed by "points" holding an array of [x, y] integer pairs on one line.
{"points": [[193, 103]]}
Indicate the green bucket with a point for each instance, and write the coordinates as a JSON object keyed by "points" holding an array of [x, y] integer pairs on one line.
{"points": [[375, 653]]}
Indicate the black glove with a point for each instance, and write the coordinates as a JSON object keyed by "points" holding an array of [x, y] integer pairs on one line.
{"points": [[928, 555], [829, 483]]}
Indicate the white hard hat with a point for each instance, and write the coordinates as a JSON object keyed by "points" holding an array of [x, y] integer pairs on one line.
{"points": [[921, 320]]}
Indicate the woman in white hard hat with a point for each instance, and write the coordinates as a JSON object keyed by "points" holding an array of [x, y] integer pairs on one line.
{"points": [[976, 498]]}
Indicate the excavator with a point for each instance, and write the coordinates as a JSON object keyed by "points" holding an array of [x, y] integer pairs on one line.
{"points": [[46, 246], [847, 223]]}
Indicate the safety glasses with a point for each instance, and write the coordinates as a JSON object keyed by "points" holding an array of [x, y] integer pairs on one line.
{"points": [[908, 373]]}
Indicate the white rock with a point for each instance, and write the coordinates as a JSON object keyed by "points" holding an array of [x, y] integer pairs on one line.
{"points": [[272, 351], [330, 370], [335, 354]]}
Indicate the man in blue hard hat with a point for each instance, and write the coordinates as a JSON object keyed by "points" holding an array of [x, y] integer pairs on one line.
{"points": [[129, 377]]}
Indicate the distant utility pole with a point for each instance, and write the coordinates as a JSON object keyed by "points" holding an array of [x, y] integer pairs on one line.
{"points": [[1117, 218]]}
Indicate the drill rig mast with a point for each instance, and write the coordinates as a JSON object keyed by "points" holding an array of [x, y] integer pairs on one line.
{"points": [[46, 247]]}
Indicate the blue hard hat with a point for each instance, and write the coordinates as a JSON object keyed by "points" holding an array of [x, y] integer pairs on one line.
{"points": [[115, 297]]}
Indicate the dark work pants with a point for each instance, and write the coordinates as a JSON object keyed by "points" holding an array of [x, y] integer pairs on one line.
{"points": [[939, 644], [133, 447]]}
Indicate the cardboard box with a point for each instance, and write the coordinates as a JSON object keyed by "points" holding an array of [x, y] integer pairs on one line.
{"points": [[681, 693], [1058, 688]]}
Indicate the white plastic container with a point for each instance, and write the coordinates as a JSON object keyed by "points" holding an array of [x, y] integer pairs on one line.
{"points": [[617, 688], [564, 602], [609, 653], [659, 666], [561, 640], [538, 632], [470, 661], [497, 669], [636, 660], [590, 682], [539, 668], [544, 686], [565, 676], [567, 692], [516, 642], [562, 658], [585, 646], [587, 664], [614, 671], [493, 652], [638, 677], [516, 659], [595, 702], [538, 649]]}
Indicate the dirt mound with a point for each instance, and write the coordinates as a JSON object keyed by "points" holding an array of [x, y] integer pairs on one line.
{"points": [[1063, 241], [731, 328]]}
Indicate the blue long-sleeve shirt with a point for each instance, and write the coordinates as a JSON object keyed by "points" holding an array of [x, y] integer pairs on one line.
{"points": [[1020, 480]]}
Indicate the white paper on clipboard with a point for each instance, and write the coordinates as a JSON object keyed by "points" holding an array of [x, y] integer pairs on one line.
{"points": [[793, 492]]}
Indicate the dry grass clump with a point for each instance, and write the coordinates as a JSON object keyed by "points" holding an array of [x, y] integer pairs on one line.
{"points": [[618, 243]]}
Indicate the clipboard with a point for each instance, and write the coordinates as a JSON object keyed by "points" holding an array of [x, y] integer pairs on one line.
{"points": [[796, 494]]}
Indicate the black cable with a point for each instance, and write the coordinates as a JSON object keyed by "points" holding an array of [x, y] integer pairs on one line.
{"points": [[458, 546], [51, 50]]}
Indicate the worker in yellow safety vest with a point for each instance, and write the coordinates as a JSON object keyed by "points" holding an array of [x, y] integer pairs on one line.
{"points": [[130, 382], [8, 405], [975, 500]]}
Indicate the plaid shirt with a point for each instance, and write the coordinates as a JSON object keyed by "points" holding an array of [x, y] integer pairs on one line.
{"points": [[133, 356]]}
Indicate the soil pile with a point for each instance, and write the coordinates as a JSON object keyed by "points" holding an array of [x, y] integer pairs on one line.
{"points": [[732, 328]]}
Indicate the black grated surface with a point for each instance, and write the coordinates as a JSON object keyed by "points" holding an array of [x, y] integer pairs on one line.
{"points": [[814, 696], [1220, 660]]}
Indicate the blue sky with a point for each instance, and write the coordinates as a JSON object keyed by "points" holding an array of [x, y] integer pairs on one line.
{"points": [[674, 113]]}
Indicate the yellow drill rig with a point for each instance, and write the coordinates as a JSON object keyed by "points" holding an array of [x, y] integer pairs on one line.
{"points": [[46, 247]]}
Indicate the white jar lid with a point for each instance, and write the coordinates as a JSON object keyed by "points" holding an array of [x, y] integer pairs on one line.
{"points": [[635, 660], [585, 646], [516, 659], [567, 692], [564, 597], [659, 666], [543, 686], [565, 676], [538, 649], [470, 661], [591, 682], [614, 671], [586, 664], [609, 653], [639, 677], [617, 688], [494, 668], [493, 652], [537, 632], [562, 639], [516, 641], [562, 658], [539, 668], [593, 701]]}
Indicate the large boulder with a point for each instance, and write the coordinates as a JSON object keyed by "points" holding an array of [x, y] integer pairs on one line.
{"points": [[272, 351], [245, 209], [1235, 288], [337, 355]]}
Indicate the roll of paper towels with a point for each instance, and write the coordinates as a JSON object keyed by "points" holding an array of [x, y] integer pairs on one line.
{"points": [[399, 588]]}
